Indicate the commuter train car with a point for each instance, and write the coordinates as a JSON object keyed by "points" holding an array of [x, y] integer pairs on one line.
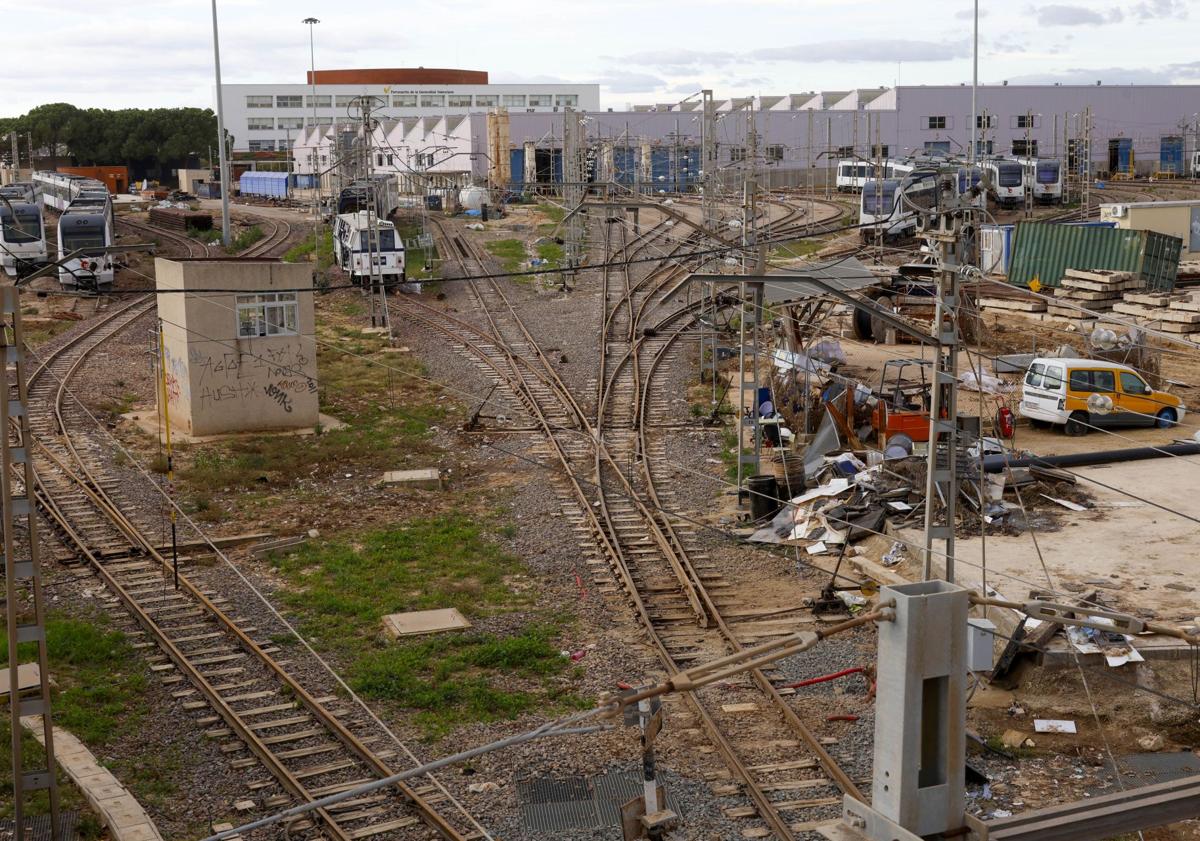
{"points": [[376, 192], [354, 252], [853, 174], [85, 226], [26, 191], [22, 237], [1044, 178], [892, 206], [971, 178], [58, 189], [1006, 182]]}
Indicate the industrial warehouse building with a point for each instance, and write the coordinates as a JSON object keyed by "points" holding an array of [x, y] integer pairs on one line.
{"points": [[270, 117], [1140, 128]]}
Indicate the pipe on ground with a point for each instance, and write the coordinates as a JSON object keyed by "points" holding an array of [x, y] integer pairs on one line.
{"points": [[997, 463]]}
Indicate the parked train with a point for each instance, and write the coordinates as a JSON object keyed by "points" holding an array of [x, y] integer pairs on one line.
{"points": [[1006, 181], [971, 180], [853, 174], [26, 191], [85, 225], [22, 236], [1043, 178], [377, 192], [892, 206], [356, 254]]}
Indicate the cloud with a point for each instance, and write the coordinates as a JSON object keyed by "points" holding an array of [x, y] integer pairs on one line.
{"points": [[969, 14], [1108, 75], [1155, 9], [620, 82], [866, 50], [862, 51], [1064, 15]]}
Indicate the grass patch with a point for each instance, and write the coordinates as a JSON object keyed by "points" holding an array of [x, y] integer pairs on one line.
{"points": [[552, 253], [442, 562], [208, 237], [302, 252], [447, 678], [245, 239], [555, 212], [41, 333], [99, 696], [799, 248], [381, 426], [342, 588], [510, 252]]}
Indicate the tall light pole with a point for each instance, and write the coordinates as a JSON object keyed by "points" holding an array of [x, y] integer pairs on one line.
{"points": [[975, 84], [312, 80], [225, 225]]}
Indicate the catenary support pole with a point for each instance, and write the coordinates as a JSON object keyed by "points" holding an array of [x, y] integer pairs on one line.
{"points": [[226, 229]]}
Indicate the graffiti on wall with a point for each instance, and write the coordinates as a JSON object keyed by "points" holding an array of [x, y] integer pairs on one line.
{"points": [[273, 373]]}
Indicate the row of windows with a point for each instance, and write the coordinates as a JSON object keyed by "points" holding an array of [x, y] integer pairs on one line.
{"points": [[412, 100], [267, 314], [941, 123]]}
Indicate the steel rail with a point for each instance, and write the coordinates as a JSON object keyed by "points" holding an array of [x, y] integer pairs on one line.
{"points": [[86, 481]]}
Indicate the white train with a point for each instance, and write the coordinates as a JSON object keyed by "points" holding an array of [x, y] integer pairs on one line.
{"points": [[969, 178], [87, 223], [355, 253], [853, 174], [22, 237], [1044, 178], [26, 191], [892, 205], [1006, 181]]}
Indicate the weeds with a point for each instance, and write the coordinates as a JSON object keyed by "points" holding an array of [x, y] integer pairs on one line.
{"points": [[245, 239], [208, 237], [510, 252], [302, 251]]}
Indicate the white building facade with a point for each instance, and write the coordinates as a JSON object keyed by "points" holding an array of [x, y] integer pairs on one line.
{"points": [[270, 117]]}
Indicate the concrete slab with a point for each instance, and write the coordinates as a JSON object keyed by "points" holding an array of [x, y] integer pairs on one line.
{"points": [[424, 622], [28, 677], [124, 816], [428, 478], [147, 421]]}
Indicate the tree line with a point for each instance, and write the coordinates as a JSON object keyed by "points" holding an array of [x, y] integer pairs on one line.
{"points": [[150, 141]]}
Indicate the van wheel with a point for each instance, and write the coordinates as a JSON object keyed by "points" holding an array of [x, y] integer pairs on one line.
{"points": [[1166, 419], [1077, 424]]}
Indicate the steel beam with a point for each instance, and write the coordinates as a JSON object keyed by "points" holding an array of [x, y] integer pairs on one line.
{"points": [[1106, 816]]}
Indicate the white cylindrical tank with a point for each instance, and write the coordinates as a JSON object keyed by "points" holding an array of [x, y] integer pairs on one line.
{"points": [[473, 198]]}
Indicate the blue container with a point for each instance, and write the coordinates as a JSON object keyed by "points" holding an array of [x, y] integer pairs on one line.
{"points": [[1120, 155], [516, 165], [1171, 155], [269, 184], [303, 182]]}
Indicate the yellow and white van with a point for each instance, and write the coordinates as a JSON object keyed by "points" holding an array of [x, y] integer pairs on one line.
{"points": [[1057, 391]]}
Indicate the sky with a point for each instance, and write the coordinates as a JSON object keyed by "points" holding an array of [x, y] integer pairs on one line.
{"points": [[149, 53]]}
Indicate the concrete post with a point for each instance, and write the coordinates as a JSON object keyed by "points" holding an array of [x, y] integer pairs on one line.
{"points": [[920, 711]]}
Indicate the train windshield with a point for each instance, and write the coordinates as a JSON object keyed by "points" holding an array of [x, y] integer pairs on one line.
{"points": [[83, 238], [27, 227], [387, 240], [968, 178], [1047, 172], [878, 197], [1009, 175]]}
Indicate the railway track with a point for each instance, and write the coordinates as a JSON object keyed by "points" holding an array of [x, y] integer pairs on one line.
{"points": [[294, 747], [680, 598], [191, 247], [273, 239]]}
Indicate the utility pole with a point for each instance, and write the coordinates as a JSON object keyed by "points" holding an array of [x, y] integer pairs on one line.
{"points": [[28, 693], [574, 173], [971, 157], [226, 229], [16, 156], [1029, 156], [380, 317], [941, 481], [312, 63], [750, 301], [830, 158]]}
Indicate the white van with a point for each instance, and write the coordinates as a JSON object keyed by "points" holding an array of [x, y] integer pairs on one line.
{"points": [[1057, 391]]}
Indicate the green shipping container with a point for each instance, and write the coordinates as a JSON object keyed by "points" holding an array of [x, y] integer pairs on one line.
{"points": [[1045, 250]]}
